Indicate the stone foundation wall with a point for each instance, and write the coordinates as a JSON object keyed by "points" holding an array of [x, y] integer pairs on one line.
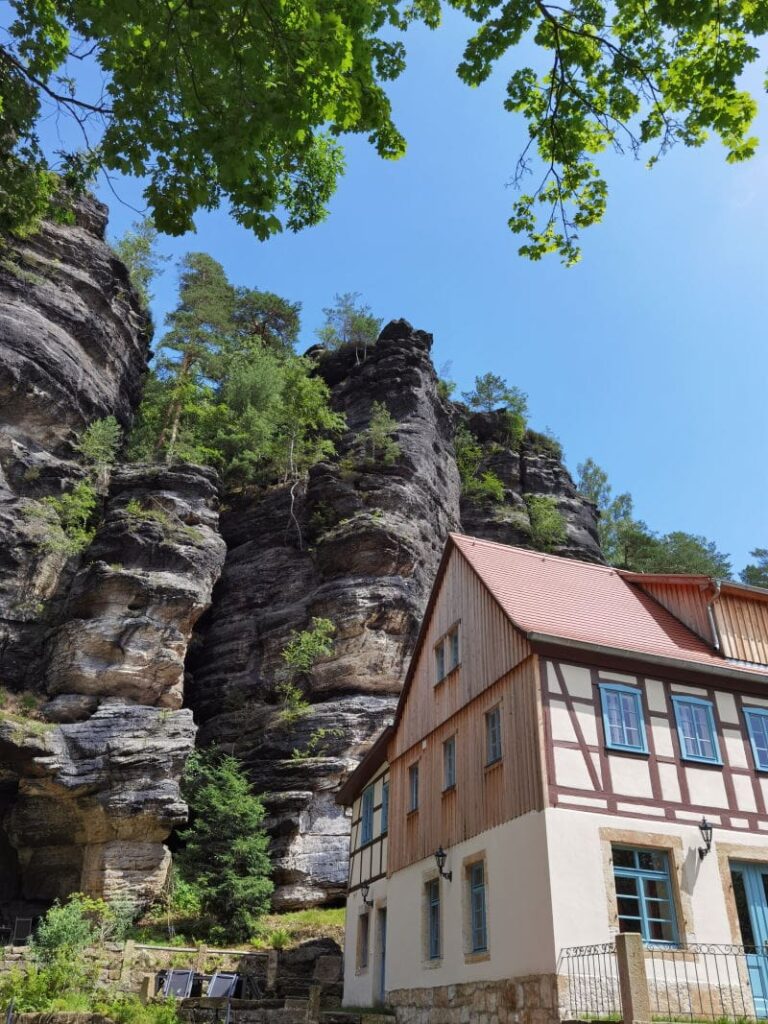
{"points": [[284, 973], [529, 1000]]}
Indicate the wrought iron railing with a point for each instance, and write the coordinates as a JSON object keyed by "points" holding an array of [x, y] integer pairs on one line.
{"points": [[701, 981], [590, 988], [693, 982]]}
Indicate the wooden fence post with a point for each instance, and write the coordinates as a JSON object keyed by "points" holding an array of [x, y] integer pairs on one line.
{"points": [[633, 980]]}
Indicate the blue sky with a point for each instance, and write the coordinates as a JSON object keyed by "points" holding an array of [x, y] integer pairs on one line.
{"points": [[649, 356]]}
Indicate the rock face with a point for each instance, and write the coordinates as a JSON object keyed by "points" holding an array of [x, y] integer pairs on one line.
{"points": [[97, 790], [534, 468], [367, 547], [74, 344], [362, 551], [89, 784]]}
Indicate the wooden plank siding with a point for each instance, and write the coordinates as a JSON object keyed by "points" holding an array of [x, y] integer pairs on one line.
{"points": [[687, 603], [489, 647], [484, 796], [743, 627]]}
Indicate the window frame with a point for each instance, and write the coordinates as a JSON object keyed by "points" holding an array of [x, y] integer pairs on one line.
{"points": [[448, 644], [363, 941], [385, 807], [607, 688], [683, 700], [453, 642], [366, 815], [489, 714], [413, 791], [751, 712], [449, 779], [434, 949], [474, 888], [641, 875], [440, 672]]}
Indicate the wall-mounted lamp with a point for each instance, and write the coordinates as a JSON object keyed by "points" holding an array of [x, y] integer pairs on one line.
{"points": [[706, 834], [365, 889], [440, 857]]}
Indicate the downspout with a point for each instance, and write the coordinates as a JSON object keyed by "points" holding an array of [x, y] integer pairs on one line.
{"points": [[711, 614]]}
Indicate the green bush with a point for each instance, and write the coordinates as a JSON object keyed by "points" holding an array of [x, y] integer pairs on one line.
{"points": [[544, 442], [68, 928], [305, 647], [547, 523], [378, 440], [69, 518], [100, 441]]}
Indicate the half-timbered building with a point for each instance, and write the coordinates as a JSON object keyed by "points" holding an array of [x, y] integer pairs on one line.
{"points": [[563, 730]]}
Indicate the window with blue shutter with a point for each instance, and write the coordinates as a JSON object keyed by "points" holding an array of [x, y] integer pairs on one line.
{"points": [[757, 727], [696, 729], [478, 922], [623, 718], [366, 816]]}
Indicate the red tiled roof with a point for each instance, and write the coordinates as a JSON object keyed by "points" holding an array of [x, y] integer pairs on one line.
{"points": [[583, 602]]}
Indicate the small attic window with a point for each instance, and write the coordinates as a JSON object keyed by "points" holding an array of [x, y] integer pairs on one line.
{"points": [[447, 652]]}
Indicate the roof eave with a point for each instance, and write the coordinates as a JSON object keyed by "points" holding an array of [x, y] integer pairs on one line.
{"points": [[374, 758], [546, 640]]}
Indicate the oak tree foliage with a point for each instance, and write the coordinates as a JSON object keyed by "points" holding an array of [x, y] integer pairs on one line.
{"points": [[245, 103]]}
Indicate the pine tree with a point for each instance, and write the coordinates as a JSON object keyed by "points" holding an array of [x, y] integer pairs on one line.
{"points": [[226, 852], [199, 330]]}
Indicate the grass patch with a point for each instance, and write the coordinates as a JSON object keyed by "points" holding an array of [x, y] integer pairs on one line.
{"points": [[276, 931]]}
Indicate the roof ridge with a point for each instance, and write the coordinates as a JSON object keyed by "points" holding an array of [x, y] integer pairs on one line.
{"points": [[533, 552]]}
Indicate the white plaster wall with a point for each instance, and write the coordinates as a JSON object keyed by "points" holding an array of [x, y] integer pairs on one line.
{"points": [[578, 878], [361, 988], [520, 935]]}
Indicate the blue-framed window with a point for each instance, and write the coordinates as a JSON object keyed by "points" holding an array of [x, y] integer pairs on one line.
{"points": [[757, 727], [623, 718], [644, 894], [433, 912], [477, 913], [493, 736], [413, 787], [449, 763], [696, 729], [366, 816], [384, 807]]}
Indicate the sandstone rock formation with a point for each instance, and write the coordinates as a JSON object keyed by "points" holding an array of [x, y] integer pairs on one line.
{"points": [[94, 794], [74, 343], [368, 544], [89, 795]]}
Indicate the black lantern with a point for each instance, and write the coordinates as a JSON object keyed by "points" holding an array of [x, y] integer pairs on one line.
{"points": [[365, 889], [440, 857], [706, 834]]}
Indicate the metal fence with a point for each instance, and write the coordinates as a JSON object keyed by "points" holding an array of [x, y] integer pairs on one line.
{"points": [[693, 982], [590, 987], [700, 981]]}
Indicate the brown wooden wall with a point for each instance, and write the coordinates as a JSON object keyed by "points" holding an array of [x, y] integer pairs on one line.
{"points": [[483, 796], [689, 604], [743, 627], [489, 647]]}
